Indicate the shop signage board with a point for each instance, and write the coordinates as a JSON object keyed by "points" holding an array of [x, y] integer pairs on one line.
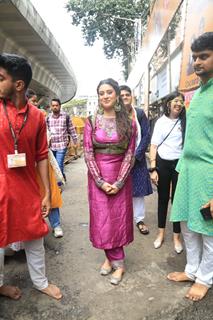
{"points": [[198, 20]]}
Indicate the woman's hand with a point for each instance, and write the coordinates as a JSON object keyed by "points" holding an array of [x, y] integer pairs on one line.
{"points": [[154, 177], [114, 190], [109, 189], [106, 187]]}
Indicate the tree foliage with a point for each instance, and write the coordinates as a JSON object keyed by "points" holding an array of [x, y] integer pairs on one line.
{"points": [[76, 103], [112, 20], [79, 104]]}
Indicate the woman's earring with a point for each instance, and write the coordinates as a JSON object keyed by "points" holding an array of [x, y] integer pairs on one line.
{"points": [[117, 107], [100, 110], [168, 108]]}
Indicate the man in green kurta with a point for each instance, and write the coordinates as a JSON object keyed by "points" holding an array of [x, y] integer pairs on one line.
{"points": [[195, 183]]}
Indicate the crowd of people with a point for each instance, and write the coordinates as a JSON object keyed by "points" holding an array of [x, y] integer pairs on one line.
{"points": [[116, 139]]}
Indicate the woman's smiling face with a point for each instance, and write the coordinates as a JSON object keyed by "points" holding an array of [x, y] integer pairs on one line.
{"points": [[176, 106], [107, 96]]}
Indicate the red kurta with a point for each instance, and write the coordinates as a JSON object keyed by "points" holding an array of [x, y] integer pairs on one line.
{"points": [[20, 201]]}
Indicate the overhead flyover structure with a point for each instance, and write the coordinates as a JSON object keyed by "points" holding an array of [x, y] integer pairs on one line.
{"points": [[22, 31]]}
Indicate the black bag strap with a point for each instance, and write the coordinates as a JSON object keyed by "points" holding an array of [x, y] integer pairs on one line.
{"points": [[67, 121], [168, 133]]}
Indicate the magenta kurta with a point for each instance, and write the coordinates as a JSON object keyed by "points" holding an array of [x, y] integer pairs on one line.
{"points": [[110, 160]]}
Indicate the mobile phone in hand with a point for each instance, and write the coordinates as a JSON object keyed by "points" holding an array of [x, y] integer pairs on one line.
{"points": [[206, 213]]}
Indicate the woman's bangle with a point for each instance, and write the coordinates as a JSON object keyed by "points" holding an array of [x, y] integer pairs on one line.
{"points": [[151, 160], [153, 169]]}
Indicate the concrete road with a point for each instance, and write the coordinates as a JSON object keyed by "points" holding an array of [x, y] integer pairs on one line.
{"points": [[73, 264]]}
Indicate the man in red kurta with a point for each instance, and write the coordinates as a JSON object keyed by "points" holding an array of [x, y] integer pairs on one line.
{"points": [[23, 146]]}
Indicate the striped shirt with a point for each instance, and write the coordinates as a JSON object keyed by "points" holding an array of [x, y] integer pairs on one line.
{"points": [[60, 127]]}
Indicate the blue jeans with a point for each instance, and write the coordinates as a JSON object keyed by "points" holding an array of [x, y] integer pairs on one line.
{"points": [[60, 155], [54, 217]]}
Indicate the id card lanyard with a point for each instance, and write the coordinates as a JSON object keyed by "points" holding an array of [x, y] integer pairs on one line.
{"points": [[15, 137]]}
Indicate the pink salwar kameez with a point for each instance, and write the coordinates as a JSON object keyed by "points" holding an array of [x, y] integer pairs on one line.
{"points": [[109, 160]]}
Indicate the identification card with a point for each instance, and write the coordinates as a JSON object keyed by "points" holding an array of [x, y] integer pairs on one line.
{"points": [[16, 160]]}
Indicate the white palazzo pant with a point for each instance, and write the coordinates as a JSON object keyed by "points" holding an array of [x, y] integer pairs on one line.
{"points": [[138, 209], [199, 256], [35, 255]]}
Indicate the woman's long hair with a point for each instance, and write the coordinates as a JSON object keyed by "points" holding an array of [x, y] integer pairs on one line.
{"points": [[182, 115], [123, 122]]}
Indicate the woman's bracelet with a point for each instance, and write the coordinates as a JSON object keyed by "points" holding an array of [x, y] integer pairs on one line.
{"points": [[151, 160], [153, 169]]}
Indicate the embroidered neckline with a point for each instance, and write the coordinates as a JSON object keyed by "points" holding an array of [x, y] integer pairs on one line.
{"points": [[107, 124]]}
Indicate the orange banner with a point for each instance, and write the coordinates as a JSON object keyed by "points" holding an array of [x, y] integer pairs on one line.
{"points": [[161, 16], [198, 20]]}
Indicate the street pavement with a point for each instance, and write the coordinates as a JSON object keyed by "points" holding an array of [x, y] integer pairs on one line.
{"points": [[73, 264]]}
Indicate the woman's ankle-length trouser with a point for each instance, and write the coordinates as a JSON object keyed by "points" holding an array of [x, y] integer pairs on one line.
{"points": [[116, 257]]}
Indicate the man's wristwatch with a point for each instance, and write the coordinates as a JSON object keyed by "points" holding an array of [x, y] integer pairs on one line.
{"points": [[153, 169]]}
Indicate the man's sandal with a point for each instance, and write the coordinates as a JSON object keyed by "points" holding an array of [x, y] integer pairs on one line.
{"points": [[142, 227]]}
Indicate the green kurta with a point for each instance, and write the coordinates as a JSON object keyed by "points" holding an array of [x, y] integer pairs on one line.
{"points": [[195, 181]]}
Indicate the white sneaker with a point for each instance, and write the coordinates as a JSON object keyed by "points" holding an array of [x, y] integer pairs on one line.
{"points": [[58, 232]]}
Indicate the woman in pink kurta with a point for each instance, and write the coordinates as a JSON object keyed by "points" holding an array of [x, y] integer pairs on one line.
{"points": [[109, 144]]}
